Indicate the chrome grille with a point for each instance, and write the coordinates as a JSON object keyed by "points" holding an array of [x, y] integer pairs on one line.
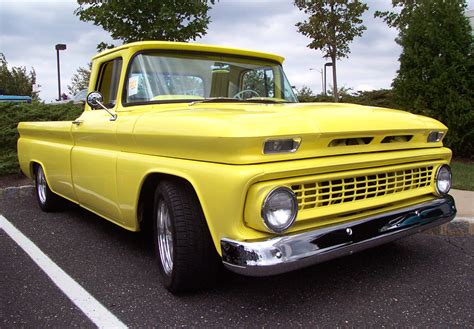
{"points": [[323, 193]]}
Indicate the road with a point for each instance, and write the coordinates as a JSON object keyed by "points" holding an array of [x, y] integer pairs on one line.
{"points": [[424, 280]]}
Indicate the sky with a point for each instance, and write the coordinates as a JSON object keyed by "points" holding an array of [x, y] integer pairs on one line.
{"points": [[29, 30]]}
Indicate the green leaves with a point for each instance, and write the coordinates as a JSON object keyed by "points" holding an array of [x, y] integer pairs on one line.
{"points": [[332, 25], [16, 81], [80, 80], [139, 20], [13, 113], [436, 67]]}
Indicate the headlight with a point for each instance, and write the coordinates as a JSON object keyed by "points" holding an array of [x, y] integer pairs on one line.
{"points": [[279, 209], [443, 180]]}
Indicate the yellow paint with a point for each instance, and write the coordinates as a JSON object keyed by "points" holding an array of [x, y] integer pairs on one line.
{"points": [[183, 46], [217, 147]]}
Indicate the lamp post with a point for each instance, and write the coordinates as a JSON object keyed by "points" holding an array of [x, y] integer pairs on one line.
{"points": [[325, 65], [59, 46], [322, 79]]}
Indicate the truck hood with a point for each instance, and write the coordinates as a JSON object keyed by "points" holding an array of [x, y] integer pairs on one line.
{"points": [[234, 133]]}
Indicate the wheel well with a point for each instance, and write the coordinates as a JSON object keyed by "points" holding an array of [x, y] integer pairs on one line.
{"points": [[146, 199], [33, 166]]}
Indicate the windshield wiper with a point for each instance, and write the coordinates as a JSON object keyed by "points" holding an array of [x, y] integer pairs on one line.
{"points": [[217, 100], [236, 100]]}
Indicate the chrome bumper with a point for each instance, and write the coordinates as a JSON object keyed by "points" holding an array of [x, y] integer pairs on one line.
{"points": [[287, 253]]}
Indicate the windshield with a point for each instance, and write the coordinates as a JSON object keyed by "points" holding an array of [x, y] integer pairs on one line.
{"points": [[162, 77]]}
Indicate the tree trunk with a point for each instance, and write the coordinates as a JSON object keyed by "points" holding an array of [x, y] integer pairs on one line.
{"points": [[334, 81]]}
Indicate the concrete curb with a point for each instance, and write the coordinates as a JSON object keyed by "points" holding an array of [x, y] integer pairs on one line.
{"points": [[460, 226], [16, 191]]}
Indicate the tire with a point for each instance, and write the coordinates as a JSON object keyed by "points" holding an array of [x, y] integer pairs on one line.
{"points": [[186, 255], [47, 199]]}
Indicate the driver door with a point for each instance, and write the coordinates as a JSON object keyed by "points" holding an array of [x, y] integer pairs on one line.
{"points": [[95, 151]]}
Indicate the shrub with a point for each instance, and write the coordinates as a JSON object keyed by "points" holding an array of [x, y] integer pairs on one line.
{"points": [[381, 98], [11, 114], [436, 69]]}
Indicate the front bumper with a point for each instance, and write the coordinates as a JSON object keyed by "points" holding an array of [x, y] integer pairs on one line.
{"points": [[287, 253]]}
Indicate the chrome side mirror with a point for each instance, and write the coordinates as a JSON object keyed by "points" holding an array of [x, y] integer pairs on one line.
{"points": [[95, 99]]}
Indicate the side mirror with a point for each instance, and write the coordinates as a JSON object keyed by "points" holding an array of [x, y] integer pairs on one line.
{"points": [[94, 100]]}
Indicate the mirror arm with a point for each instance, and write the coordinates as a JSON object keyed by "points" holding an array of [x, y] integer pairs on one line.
{"points": [[113, 115]]}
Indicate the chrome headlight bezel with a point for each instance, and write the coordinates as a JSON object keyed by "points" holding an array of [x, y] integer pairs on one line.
{"points": [[294, 210], [447, 169]]}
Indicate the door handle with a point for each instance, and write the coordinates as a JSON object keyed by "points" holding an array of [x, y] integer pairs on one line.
{"points": [[77, 122]]}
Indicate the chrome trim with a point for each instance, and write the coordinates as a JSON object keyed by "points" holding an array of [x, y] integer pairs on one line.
{"points": [[294, 210], [438, 192], [94, 100], [165, 237], [287, 253], [41, 185]]}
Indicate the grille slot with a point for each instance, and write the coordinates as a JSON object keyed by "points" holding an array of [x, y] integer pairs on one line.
{"points": [[351, 141], [397, 139], [324, 193]]}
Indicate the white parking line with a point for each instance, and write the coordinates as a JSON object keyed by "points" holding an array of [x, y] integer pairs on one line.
{"points": [[91, 307]]}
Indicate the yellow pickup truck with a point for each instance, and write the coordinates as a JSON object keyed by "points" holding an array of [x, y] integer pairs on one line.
{"points": [[210, 147]]}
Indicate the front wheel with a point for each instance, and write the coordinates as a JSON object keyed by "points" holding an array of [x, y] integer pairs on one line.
{"points": [[186, 255], [47, 199]]}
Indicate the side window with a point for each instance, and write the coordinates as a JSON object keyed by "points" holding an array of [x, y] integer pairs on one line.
{"points": [[109, 79], [259, 81]]}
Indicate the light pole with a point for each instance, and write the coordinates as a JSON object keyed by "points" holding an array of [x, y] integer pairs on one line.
{"points": [[322, 79], [325, 65], [59, 46]]}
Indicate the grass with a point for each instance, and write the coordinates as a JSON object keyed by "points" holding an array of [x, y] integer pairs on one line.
{"points": [[463, 174]]}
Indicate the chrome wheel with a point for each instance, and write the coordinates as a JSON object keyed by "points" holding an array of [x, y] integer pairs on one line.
{"points": [[41, 185], [165, 237]]}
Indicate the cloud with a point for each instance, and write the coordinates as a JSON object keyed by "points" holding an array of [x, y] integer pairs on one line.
{"points": [[267, 25], [30, 29]]}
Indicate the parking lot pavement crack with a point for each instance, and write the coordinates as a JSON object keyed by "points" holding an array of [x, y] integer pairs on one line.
{"points": [[455, 245]]}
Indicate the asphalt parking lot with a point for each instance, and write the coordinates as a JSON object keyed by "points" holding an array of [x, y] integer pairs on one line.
{"points": [[424, 280]]}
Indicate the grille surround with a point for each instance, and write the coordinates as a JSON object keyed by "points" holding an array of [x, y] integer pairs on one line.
{"points": [[319, 193]]}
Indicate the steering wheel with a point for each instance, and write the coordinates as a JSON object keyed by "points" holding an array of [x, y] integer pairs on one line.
{"points": [[240, 93]]}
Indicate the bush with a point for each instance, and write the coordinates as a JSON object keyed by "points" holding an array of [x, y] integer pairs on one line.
{"points": [[436, 69], [11, 114], [381, 97], [460, 136]]}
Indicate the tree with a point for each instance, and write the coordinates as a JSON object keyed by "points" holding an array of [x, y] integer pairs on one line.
{"points": [[80, 80], [260, 81], [332, 25], [436, 66], [399, 19], [141, 20], [305, 94], [17, 81]]}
